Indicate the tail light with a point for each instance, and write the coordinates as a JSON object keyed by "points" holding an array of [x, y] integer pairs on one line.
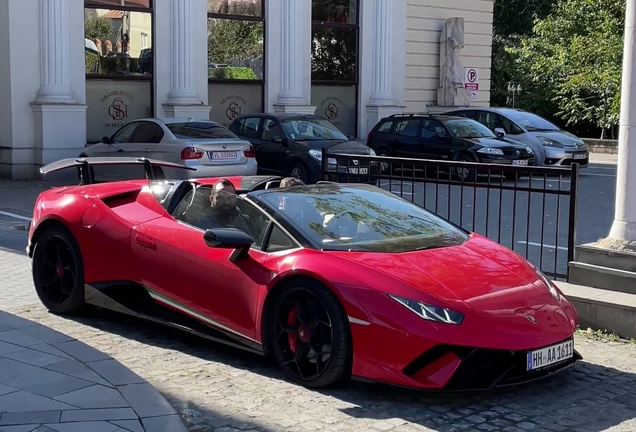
{"points": [[250, 152], [189, 153]]}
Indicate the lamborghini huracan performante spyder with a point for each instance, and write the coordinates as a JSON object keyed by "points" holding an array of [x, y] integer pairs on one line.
{"points": [[333, 280]]}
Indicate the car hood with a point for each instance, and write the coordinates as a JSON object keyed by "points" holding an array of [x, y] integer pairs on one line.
{"points": [[496, 143], [351, 147], [479, 275], [563, 137]]}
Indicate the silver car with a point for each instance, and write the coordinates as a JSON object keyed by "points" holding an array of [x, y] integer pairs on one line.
{"points": [[205, 145], [552, 145]]}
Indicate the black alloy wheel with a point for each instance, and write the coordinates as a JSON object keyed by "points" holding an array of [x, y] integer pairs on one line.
{"points": [[299, 171], [466, 174], [310, 335], [58, 271]]}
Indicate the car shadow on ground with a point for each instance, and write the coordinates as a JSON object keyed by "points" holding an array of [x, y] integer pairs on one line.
{"points": [[587, 397]]}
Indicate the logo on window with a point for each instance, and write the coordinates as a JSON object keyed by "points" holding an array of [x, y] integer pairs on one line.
{"points": [[118, 110], [331, 112], [232, 111]]}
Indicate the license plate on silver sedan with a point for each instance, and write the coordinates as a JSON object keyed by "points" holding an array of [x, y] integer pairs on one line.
{"points": [[520, 162], [579, 156], [222, 155], [358, 170]]}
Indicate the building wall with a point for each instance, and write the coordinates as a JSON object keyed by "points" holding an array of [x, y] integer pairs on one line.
{"points": [[425, 20]]}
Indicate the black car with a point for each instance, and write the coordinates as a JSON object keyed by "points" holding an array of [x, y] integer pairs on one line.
{"points": [[445, 137], [291, 145]]}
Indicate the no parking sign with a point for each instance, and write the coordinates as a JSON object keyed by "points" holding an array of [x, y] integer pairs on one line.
{"points": [[471, 82]]}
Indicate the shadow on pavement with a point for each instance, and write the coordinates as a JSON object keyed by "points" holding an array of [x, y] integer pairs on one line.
{"points": [[587, 397]]}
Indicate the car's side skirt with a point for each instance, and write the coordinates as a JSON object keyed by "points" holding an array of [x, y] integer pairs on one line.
{"points": [[135, 300]]}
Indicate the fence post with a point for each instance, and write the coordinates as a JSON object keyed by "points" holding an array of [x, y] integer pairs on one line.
{"points": [[574, 191], [323, 165]]}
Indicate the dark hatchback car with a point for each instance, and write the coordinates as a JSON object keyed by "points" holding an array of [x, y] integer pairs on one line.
{"points": [[444, 137], [291, 145]]}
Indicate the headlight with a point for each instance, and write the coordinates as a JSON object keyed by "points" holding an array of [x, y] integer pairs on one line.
{"points": [[430, 312], [549, 285], [371, 152], [548, 142], [317, 154], [529, 150], [490, 150]]}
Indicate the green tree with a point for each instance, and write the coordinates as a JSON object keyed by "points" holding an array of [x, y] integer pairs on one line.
{"points": [[574, 59], [97, 28], [230, 40]]}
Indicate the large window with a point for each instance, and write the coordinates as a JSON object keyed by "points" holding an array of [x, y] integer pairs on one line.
{"points": [[118, 39], [236, 58], [334, 61]]}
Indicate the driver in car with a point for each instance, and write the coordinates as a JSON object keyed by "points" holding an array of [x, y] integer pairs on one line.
{"points": [[224, 212]]}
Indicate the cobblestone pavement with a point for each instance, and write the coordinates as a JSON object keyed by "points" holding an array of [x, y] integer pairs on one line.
{"points": [[217, 388]]}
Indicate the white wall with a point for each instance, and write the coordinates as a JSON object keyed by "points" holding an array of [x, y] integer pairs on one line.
{"points": [[423, 29]]}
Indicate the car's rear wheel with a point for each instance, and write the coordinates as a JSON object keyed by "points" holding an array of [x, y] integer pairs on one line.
{"points": [[463, 173], [310, 334], [299, 171], [58, 271]]}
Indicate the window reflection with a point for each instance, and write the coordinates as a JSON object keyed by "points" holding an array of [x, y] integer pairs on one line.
{"points": [[235, 49], [117, 42], [236, 7], [334, 53], [336, 11], [128, 3]]}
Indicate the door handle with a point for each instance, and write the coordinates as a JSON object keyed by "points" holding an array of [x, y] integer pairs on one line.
{"points": [[146, 242], [148, 150]]}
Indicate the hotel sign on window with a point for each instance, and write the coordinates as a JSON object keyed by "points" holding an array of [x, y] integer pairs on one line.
{"points": [[228, 101], [337, 104]]}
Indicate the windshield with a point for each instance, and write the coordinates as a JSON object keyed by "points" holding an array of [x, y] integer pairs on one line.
{"points": [[311, 130], [200, 130], [467, 128], [361, 218], [532, 122]]}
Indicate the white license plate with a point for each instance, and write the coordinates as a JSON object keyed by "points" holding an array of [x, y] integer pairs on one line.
{"points": [[548, 356], [223, 155], [358, 170], [580, 156], [520, 162]]}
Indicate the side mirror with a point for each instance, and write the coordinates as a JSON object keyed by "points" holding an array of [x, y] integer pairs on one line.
{"points": [[104, 140], [500, 132], [229, 238], [351, 138]]}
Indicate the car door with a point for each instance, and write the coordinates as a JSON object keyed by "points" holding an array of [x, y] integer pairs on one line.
{"points": [[273, 147], [406, 140], [249, 128], [435, 142], [182, 272]]}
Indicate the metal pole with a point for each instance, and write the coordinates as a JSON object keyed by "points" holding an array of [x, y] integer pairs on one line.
{"points": [[574, 192]]}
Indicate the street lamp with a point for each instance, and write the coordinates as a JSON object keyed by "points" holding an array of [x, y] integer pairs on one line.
{"points": [[514, 89]]}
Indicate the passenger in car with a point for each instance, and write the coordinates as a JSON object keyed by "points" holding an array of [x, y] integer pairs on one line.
{"points": [[224, 212]]}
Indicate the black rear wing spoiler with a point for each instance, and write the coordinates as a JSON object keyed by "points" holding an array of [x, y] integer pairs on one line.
{"points": [[85, 172]]}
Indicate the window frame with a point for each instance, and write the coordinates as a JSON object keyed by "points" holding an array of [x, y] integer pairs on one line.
{"points": [[337, 83]]}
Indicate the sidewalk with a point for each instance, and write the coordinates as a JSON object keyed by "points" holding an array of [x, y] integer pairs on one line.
{"points": [[50, 382]]}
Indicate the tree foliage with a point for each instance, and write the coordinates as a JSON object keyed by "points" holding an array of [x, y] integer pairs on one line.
{"points": [[233, 40], [98, 28], [574, 59]]}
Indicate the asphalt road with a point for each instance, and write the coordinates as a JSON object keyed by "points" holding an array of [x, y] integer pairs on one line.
{"points": [[533, 223]]}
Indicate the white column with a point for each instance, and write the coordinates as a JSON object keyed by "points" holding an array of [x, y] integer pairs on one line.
{"points": [[55, 76], [183, 69], [624, 227], [381, 92], [292, 47]]}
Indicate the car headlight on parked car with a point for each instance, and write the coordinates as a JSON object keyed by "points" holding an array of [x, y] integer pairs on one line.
{"points": [[529, 150], [549, 142], [317, 154], [371, 152], [430, 312], [490, 150], [553, 290]]}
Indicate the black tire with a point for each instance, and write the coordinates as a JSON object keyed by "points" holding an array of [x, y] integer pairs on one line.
{"points": [[383, 166], [57, 260], [296, 296], [466, 175], [513, 176], [299, 170]]}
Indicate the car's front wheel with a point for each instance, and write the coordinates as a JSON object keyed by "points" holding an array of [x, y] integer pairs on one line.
{"points": [[58, 271], [310, 334]]}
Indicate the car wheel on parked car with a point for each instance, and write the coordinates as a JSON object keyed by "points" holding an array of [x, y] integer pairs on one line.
{"points": [[310, 334], [58, 271], [465, 174], [299, 171]]}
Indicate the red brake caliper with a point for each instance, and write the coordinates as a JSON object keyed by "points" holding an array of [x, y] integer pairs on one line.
{"points": [[291, 337]]}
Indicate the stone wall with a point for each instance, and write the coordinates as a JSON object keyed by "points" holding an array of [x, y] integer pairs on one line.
{"points": [[604, 146]]}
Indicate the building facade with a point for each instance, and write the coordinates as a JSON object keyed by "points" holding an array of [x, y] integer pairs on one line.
{"points": [[72, 71]]}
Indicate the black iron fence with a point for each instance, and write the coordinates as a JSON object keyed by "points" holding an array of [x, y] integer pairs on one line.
{"points": [[531, 210]]}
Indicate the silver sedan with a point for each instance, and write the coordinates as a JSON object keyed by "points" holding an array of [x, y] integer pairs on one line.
{"points": [[202, 144]]}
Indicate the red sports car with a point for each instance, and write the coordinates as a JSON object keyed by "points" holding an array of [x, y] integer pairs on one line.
{"points": [[334, 280]]}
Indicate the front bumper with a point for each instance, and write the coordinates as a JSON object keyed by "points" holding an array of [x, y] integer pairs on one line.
{"points": [[507, 160], [565, 157], [348, 172]]}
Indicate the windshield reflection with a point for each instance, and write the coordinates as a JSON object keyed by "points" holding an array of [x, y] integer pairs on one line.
{"points": [[315, 129], [361, 218]]}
